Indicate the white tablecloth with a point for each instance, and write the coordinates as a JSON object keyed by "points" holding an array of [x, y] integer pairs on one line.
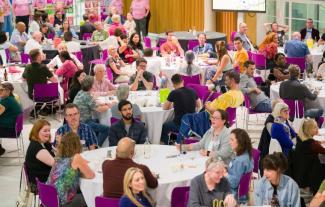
{"points": [[152, 113], [171, 174]]}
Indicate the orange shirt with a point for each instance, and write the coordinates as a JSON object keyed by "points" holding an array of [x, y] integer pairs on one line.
{"points": [[240, 57]]}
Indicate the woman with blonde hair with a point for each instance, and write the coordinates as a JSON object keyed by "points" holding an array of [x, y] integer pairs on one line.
{"points": [[39, 155], [134, 186], [68, 167], [223, 65], [269, 48]]}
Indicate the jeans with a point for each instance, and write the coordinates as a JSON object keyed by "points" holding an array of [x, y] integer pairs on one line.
{"points": [[141, 26], [100, 129], [314, 113], [7, 26], [168, 127], [264, 106]]}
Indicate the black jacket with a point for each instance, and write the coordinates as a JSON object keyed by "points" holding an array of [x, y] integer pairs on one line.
{"points": [[294, 90], [314, 34], [137, 132]]}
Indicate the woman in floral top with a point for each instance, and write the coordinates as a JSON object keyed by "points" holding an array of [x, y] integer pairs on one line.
{"points": [[67, 169], [269, 48]]}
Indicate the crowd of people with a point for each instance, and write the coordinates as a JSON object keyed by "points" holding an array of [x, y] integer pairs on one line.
{"points": [[287, 175]]}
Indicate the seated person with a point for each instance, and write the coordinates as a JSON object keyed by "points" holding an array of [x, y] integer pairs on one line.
{"points": [[122, 93], [114, 170], [275, 27], [19, 37], [72, 46], [58, 19], [215, 142], [56, 61], [281, 129], [127, 126], [153, 64], [184, 100], [66, 28], [75, 85], [4, 44], [269, 47], [115, 63], [258, 100], [232, 98], [189, 68], [99, 34], [280, 188], [241, 55], [113, 11], [309, 32], [34, 43], [85, 133], [171, 46], [142, 79], [136, 45], [125, 51], [280, 70], [36, 72], [116, 24], [87, 105], [102, 86], [211, 186], [40, 154], [319, 198], [9, 111], [240, 143], [87, 27], [203, 48], [295, 47], [294, 90], [67, 169]]}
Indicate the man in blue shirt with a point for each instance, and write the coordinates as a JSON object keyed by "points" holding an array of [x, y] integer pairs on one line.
{"points": [[72, 116], [203, 47], [295, 47], [19, 36]]}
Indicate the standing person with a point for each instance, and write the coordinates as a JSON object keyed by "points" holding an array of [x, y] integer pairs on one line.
{"points": [[309, 32], [279, 29], [118, 4], [21, 11], [7, 24], [140, 10], [34, 26], [87, 27], [129, 24]]}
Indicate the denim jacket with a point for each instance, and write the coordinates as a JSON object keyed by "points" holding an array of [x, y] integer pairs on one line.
{"points": [[287, 191]]}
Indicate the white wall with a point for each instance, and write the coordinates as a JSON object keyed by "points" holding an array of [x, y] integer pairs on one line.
{"points": [[209, 16]]}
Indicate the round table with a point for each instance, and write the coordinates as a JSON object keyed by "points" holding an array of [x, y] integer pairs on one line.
{"points": [[173, 172], [183, 37], [152, 113]]}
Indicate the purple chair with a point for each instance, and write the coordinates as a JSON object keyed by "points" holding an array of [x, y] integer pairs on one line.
{"points": [[243, 187], [101, 201], [232, 116], [201, 91], [191, 44], [300, 61], [249, 55], [260, 61], [46, 93], [8, 55], [191, 140], [78, 55], [213, 96], [87, 36], [256, 157], [24, 58], [102, 60], [296, 108], [161, 41], [258, 80], [51, 36], [103, 17], [187, 197], [232, 36], [194, 79], [47, 194], [178, 196], [109, 74], [147, 43]]}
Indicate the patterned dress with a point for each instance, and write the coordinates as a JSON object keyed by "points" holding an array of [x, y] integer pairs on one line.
{"points": [[65, 179]]}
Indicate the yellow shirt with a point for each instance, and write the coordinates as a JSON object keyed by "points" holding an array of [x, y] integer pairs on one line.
{"points": [[241, 57], [232, 99]]}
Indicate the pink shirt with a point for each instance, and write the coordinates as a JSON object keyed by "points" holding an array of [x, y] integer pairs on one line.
{"points": [[67, 70], [20, 7], [39, 4], [118, 4], [113, 27], [139, 8], [6, 7], [102, 87]]}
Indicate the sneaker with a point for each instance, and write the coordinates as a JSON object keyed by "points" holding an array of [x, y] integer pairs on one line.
{"points": [[2, 150]]}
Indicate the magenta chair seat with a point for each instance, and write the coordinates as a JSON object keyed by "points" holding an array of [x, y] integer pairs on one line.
{"points": [[24, 58], [191, 140], [213, 96], [147, 43], [87, 36], [260, 61], [47, 194], [300, 61], [179, 196], [201, 91], [101, 201], [46, 92], [243, 187], [191, 44], [194, 79], [258, 80]]}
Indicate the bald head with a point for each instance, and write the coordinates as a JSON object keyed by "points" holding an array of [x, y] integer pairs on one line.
{"points": [[125, 148], [296, 36], [21, 27], [243, 27], [37, 36]]}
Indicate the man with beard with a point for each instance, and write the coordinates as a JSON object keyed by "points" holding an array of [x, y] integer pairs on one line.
{"points": [[127, 126]]}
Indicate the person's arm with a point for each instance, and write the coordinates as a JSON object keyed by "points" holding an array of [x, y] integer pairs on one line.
{"points": [[235, 173], [53, 79], [318, 200], [151, 180], [258, 193], [45, 157], [134, 80], [148, 84], [284, 27], [308, 94], [267, 26], [295, 195], [316, 147], [81, 164], [167, 105], [147, 10], [2, 109], [194, 199], [143, 135], [12, 48], [281, 135], [224, 61], [279, 75]]}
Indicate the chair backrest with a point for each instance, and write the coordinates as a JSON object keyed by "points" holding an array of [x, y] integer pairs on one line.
{"points": [[202, 91], [109, 74], [243, 187], [232, 36], [114, 120], [147, 42], [51, 36], [47, 194], [103, 17], [247, 102], [46, 91], [258, 80], [101, 201], [7, 54], [296, 108], [300, 61], [178, 196], [274, 146], [231, 115], [105, 55], [259, 59], [87, 36], [25, 171], [190, 140], [213, 96], [19, 124], [78, 55], [256, 157], [194, 79], [191, 44], [24, 58], [162, 41], [249, 55]]}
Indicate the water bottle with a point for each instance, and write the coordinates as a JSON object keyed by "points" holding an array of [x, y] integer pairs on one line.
{"points": [[147, 149]]}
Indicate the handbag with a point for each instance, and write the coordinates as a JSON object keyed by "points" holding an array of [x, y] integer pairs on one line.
{"points": [[26, 197], [297, 119]]}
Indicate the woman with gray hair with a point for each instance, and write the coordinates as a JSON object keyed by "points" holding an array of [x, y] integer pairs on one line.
{"points": [[211, 188], [87, 105], [189, 68], [122, 93]]}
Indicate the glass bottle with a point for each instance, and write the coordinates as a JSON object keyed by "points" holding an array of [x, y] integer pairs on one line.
{"points": [[147, 149]]}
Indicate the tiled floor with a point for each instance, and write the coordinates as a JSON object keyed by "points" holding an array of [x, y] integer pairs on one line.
{"points": [[10, 175]]}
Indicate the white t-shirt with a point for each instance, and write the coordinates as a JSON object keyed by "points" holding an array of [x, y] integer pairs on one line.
{"points": [[32, 44], [57, 62]]}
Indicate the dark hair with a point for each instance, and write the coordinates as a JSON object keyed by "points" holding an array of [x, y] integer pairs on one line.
{"points": [[276, 56], [140, 60], [202, 34], [221, 49], [167, 32], [233, 75], [65, 20], [248, 62], [310, 19], [273, 23], [37, 16], [123, 103], [85, 17], [3, 37], [224, 116], [244, 142], [133, 45], [294, 71], [75, 83], [65, 55], [67, 36], [123, 36], [176, 79], [148, 52], [276, 161], [238, 39], [118, 32], [33, 54], [70, 106]]}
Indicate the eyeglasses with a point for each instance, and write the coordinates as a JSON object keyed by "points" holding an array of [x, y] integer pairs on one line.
{"points": [[215, 117], [286, 110]]}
